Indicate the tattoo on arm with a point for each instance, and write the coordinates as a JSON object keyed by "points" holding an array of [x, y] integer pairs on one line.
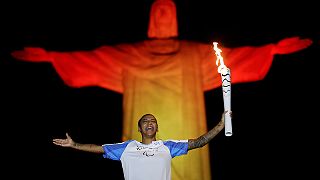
{"points": [[204, 139], [196, 143]]}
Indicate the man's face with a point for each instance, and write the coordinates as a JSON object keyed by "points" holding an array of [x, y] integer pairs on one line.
{"points": [[148, 126]]}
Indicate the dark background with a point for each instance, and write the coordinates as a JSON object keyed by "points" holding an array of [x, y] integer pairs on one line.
{"points": [[274, 120]]}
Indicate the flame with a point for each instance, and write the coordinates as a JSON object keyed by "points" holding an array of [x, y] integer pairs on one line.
{"points": [[219, 57]]}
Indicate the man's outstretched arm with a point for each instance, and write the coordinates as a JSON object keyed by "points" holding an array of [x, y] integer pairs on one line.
{"points": [[68, 142], [204, 139]]}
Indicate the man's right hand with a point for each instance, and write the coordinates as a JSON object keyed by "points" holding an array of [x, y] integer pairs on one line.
{"points": [[34, 54], [68, 142]]}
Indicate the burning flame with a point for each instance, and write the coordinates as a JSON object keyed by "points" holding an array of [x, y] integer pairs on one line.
{"points": [[219, 57]]}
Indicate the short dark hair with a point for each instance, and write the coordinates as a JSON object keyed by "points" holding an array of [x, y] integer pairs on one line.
{"points": [[143, 117]]}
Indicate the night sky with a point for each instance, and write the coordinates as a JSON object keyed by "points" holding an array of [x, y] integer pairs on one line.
{"points": [[274, 120]]}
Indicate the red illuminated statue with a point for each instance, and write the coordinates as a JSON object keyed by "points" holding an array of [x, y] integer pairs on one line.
{"points": [[166, 77]]}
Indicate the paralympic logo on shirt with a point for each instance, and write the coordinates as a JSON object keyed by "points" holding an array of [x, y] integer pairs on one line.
{"points": [[147, 151]]}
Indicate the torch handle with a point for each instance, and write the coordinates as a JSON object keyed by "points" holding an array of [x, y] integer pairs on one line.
{"points": [[226, 90]]}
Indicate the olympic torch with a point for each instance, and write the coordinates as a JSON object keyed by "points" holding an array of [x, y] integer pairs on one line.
{"points": [[226, 88]]}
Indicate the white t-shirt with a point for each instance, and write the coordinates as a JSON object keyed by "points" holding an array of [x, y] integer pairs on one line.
{"points": [[146, 161]]}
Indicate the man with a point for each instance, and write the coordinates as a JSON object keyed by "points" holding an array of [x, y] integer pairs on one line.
{"points": [[150, 158], [164, 76]]}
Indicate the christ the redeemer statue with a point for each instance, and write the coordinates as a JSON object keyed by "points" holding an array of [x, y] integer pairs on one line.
{"points": [[164, 76]]}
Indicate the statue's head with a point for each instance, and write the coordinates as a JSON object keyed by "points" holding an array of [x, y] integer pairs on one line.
{"points": [[163, 20]]}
